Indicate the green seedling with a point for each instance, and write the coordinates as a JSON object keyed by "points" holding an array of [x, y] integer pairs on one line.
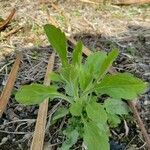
{"points": [[96, 98]]}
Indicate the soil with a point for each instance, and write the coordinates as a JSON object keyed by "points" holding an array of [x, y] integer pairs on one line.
{"points": [[99, 27]]}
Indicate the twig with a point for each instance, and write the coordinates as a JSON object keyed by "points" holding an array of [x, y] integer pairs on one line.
{"points": [[17, 121], [39, 133], [130, 142], [140, 123], [12, 32], [50, 18], [51, 113], [5, 66], [129, 2], [89, 23], [89, 1], [58, 9], [126, 128], [8, 132], [9, 85], [9, 18], [141, 147]]}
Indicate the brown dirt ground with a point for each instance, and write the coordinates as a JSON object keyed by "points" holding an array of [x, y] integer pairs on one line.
{"points": [[100, 27]]}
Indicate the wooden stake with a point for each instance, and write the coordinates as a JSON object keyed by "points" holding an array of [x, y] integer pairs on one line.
{"points": [[39, 133], [9, 85]]}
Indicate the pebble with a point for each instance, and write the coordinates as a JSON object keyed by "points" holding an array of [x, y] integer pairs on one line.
{"points": [[146, 102], [4, 140]]}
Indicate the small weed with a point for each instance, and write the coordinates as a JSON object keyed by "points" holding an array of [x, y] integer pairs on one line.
{"points": [[84, 83]]}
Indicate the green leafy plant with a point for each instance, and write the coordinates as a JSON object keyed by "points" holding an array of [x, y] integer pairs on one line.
{"points": [[95, 97]]}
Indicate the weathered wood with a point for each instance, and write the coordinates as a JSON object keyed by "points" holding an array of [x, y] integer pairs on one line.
{"points": [[15, 30], [117, 2], [9, 18], [129, 2], [140, 123], [39, 133], [9, 85]]}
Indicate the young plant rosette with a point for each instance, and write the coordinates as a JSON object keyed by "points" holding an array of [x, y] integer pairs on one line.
{"points": [[96, 98]]}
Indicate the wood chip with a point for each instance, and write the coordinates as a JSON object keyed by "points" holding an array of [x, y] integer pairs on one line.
{"points": [[9, 85], [129, 2], [39, 133], [7, 21], [15, 30], [90, 1]]}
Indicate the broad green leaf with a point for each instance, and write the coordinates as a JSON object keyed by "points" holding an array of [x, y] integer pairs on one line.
{"points": [[121, 85], [71, 139], [58, 41], [108, 62], [91, 69], [61, 112], [34, 94], [37, 93], [94, 63], [96, 112], [85, 79], [69, 89], [70, 75], [113, 120], [65, 73], [94, 138], [76, 108], [77, 54], [55, 77], [116, 106]]}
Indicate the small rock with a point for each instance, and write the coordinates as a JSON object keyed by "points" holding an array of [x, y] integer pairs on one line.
{"points": [[4, 140], [146, 102], [30, 44]]}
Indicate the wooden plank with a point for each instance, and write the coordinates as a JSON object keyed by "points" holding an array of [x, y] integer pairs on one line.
{"points": [[39, 133], [9, 85]]}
